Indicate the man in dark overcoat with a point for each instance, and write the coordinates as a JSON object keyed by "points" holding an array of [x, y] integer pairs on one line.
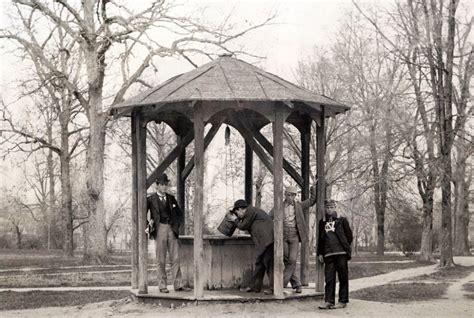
{"points": [[334, 250], [260, 227], [165, 219]]}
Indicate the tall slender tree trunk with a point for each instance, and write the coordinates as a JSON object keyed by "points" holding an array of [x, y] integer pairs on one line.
{"points": [[66, 191], [50, 215], [461, 190]]}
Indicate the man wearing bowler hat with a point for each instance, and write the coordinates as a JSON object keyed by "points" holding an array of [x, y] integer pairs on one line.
{"points": [[165, 219], [260, 226], [334, 250], [294, 232]]}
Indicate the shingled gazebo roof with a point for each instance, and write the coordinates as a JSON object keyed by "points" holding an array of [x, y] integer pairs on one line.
{"points": [[226, 79]]}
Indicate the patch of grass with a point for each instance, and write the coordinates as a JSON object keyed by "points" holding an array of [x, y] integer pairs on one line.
{"points": [[360, 270], [448, 274], [468, 287], [49, 259], [366, 270], [399, 293], [74, 279], [38, 299], [369, 257]]}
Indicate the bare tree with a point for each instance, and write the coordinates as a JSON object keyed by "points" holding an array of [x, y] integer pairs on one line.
{"points": [[108, 46], [434, 31]]}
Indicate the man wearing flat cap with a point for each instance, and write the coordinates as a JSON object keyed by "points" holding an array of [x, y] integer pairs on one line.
{"points": [[334, 250], [165, 220], [294, 232], [260, 226]]}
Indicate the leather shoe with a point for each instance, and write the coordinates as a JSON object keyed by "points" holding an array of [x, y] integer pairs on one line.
{"points": [[268, 291], [341, 305], [249, 290], [326, 306], [182, 288], [164, 290], [298, 290]]}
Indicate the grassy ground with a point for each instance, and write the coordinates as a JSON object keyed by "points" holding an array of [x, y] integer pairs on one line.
{"points": [[357, 269], [469, 288], [49, 259], [448, 274], [402, 292], [38, 299], [424, 287], [51, 275]]}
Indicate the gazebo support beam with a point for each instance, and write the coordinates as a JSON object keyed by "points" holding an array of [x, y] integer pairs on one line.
{"points": [[207, 140], [198, 203], [248, 173], [134, 216], [278, 202], [321, 190], [305, 135], [180, 183], [180, 147], [141, 205]]}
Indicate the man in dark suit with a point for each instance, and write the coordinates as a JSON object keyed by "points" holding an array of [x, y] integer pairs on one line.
{"points": [[334, 250], [260, 226], [165, 219]]}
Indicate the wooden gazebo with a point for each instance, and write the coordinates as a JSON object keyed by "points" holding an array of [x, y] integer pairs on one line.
{"points": [[225, 91]]}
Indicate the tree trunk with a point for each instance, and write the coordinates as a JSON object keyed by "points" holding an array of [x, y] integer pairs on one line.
{"points": [[66, 193], [259, 186], [17, 236], [426, 249], [95, 64], [50, 214], [461, 240], [96, 238]]}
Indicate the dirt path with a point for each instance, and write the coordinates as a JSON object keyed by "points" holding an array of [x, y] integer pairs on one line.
{"points": [[454, 305]]}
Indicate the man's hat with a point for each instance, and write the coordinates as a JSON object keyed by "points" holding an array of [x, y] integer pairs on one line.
{"points": [[162, 179], [329, 203], [240, 204], [291, 189]]}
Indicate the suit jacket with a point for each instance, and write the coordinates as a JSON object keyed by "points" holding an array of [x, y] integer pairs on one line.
{"points": [[176, 216], [260, 226], [301, 224], [343, 232]]}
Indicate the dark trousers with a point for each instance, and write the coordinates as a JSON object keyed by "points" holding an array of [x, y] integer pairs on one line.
{"points": [[332, 265], [263, 264]]}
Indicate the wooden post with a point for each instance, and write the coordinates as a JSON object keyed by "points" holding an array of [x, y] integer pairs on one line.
{"points": [[321, 190], [181, 183], [305, 250], [278, 202], [248, 173], [141, 206], [134, 211], [198, 202]]}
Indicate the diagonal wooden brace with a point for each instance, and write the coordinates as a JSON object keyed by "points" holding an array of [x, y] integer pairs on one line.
{"points": [[207, 140], [254, 133], [170, 158]]}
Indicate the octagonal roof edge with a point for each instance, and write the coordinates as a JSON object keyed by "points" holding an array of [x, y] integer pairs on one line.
{"points": [[225, 79]]}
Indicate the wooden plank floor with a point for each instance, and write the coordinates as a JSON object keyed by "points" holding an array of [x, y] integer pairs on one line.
{"points": [[176, 299]]}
